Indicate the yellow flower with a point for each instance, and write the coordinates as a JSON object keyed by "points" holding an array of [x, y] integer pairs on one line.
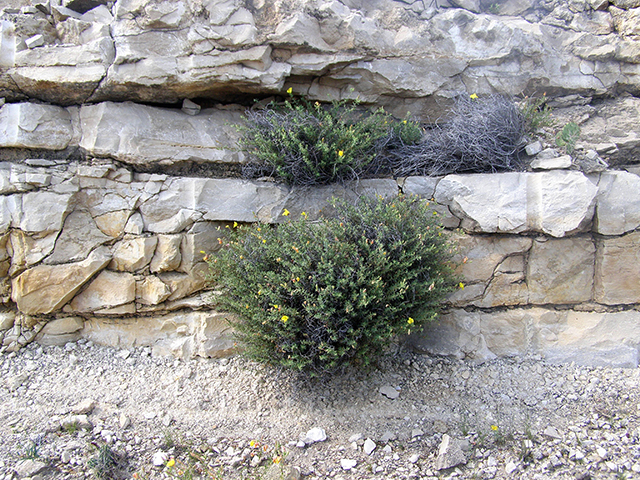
{"points": [[494, 428], [461, 285], [340, 153], [277, 459], [284, 319], [264, 241], [203, 252], [404, 121], [290, 90], [252, 443], [410, 321], [235, 224], [285, 213], [171, 463], [304, 214], [473, 96]]}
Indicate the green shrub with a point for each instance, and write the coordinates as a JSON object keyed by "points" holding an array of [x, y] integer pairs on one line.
{"points": [[536, 114], [305, 143], [312, 296], [568, 136]]}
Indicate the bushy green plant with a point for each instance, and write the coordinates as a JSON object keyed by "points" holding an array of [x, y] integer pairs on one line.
{"points": [[312, 296], [306, 143], [406, 132], [568, 136], [536, 114]]}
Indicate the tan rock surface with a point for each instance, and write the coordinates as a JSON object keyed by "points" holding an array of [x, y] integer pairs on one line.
{"points": [[618, 270], [133, 254], [112, 223], [167, 256], [108, 289], [561, 271], [151, 291], [46, 288]]}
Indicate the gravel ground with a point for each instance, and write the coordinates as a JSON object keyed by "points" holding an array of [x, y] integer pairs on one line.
{"points": [[86, 411]]}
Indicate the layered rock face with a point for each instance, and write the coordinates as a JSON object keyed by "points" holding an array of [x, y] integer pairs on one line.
{"points": [[114, 180]]}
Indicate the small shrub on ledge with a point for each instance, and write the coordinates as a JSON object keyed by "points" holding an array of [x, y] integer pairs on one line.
{"points": [[314, 296], [305, 143]]}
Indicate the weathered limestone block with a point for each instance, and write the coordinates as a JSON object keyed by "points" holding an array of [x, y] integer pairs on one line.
{"points": [[505, 288], [112, 224], [556, 202], [43, 212], [111, 197], [618, 203], [300, 30], [424, 75], [240, 200], [135, 224], [7, 320], [174, 209], [186, 335], [30, 125], [627, 22], [626, 4], [187, 200], [617, 278], [561, 271], [313, 64], [167, 256], [479, 256], [75, 70], [203, 237], [27, 250], [182, 284], [208, 71], [143, 135], [316, 199], [108, 289], [614, 128], [10, 209], [79, 236], [64, 325], [133, 254], [21, 178], [596, 339], [60, 331], [492, 270], [588, 338], [151, 291], [46, 288], [424, 187]]}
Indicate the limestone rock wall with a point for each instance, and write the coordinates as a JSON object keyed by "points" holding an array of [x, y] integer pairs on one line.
{"points": [[119, 164], [550, 260]]}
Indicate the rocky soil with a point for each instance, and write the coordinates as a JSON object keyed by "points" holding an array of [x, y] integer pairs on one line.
{"points": [[86, 411]]}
